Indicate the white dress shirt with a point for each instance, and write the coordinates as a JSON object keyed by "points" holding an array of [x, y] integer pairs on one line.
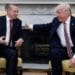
{"points": [[60, 32], [7, 37]]}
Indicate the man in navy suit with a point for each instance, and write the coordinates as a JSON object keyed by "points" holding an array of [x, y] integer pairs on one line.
{"points": [[58, 46], [10, 38]]}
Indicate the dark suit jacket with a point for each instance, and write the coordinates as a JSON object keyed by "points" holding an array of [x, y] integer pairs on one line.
{"points": [[52, 28], [16, 30]]}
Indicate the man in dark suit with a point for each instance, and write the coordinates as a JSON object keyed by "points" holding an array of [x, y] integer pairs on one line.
{"points": [[10, 38], [57, 39]]}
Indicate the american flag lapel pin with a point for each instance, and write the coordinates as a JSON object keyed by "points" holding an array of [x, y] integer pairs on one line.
{"points": [[72, 24]]}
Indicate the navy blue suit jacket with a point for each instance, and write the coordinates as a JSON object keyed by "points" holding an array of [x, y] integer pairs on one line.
{"points": [[52, 28], [16, 30]]}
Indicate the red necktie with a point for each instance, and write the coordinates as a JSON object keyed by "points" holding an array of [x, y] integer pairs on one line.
{"points": [[69, 49], [11, 25]]}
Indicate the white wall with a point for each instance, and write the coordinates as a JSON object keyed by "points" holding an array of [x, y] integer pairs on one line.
{"points": [[42, 11]]}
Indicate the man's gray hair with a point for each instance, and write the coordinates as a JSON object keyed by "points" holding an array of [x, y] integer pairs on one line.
{"points": [[7, 6], [64, 6]]}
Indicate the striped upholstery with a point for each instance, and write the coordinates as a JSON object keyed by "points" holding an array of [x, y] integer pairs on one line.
{"points": [[66, 68], [3, 62]]}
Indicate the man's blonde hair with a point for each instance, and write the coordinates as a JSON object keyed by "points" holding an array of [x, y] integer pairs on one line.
{"points": [[66, 7]]}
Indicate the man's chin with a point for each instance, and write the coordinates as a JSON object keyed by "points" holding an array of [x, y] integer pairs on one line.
{"points": [[61, 20], [14, 18]]}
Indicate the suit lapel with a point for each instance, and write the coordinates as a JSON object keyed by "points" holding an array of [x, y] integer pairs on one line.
{"points": [[72, 25], [71, 22], [4, 25], [54, 28]]}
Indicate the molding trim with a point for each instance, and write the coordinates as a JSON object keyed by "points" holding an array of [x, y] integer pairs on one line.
{"points": [[36, 2]]}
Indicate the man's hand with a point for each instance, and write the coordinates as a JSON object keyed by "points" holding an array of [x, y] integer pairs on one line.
{"points": [[72, 62], [19, 42], [27, 26], [2, 40]]}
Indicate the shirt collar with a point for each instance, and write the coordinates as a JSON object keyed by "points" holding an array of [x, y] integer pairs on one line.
{"points": [[68, 20], [7, 17]]}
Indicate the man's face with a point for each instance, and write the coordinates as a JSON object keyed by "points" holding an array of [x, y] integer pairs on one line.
{"points": [[62, 15], [12, 12]]}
